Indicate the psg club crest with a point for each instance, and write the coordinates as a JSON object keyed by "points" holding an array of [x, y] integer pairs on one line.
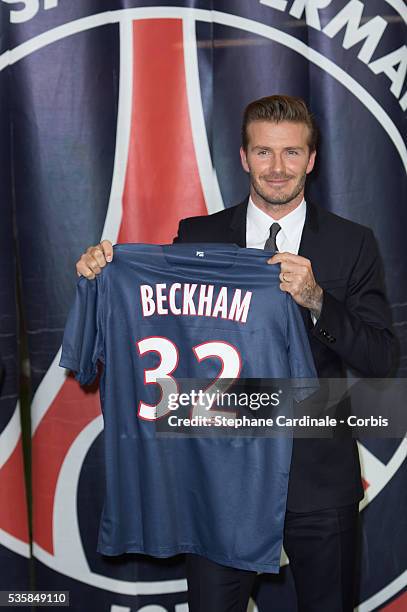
{"points": [[200, 63]]}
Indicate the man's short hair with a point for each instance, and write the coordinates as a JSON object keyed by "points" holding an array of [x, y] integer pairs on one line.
{"points": [[280, 108]]}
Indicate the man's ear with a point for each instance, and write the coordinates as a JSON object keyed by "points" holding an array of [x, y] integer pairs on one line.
{"points": [[243, 159], [311, 162]]}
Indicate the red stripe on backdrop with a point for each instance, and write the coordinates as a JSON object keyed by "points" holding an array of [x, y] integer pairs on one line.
{"points": [[162, 181], [13, 514], [69, 413], [398, 605]]}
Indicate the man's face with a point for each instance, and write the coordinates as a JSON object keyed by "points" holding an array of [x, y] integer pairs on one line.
{"points": [[278, 160]]}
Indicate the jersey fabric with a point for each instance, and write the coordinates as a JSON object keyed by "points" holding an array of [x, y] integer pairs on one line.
{"points": [[166, 311]]}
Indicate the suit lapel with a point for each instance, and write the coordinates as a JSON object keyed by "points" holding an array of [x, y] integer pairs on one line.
{"points": [[238, 224], [309, 248], [309, 239]]}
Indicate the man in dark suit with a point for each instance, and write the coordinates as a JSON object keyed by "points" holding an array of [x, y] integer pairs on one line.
{"points": [[331, 268]]}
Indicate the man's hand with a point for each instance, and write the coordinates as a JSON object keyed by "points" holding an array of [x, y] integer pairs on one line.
{"points": [[298, 280], [94, 259]]}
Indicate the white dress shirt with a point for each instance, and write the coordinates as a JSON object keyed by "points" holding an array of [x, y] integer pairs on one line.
{"points": [[288, 238]]}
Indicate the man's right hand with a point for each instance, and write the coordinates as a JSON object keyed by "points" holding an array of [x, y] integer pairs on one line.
{"points": [[94, 259]]}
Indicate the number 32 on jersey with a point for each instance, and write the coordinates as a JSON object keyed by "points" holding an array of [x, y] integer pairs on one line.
{"points": [[230, 367]]}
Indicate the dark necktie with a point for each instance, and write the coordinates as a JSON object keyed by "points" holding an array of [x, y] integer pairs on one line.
{"points": [[271, 244]]}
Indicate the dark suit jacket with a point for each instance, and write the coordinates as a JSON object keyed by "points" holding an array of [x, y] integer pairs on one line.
{"points": [[353, 330]]}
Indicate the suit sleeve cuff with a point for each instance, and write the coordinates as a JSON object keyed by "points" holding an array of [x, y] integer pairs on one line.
{"points": [[324, 327]]}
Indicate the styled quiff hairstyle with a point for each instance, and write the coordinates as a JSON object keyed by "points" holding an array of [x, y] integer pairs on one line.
{"points": [[280, 108]]}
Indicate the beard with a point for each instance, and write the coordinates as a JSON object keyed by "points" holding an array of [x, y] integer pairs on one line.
{"points": [[281, 198]]}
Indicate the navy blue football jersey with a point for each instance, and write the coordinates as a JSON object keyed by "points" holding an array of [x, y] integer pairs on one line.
{"points": [[155, 316]]}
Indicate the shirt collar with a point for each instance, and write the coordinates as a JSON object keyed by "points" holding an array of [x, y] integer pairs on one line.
{"points": [[290, 224]]}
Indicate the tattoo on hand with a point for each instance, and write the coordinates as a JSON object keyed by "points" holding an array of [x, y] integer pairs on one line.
{"points": [[313, 295]]}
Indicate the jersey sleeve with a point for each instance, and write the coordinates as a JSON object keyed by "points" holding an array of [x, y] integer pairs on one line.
{"points": [[304, 379], [82, 345]]}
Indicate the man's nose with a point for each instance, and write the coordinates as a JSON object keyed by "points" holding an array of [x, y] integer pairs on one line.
{"points": [[277, 163]]}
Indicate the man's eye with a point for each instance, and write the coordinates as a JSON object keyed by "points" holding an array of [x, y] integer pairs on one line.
{"points": [[292, 152], [264, 152]]}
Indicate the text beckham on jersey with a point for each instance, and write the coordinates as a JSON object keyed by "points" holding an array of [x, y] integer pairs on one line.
{"points": [[187, 299]]}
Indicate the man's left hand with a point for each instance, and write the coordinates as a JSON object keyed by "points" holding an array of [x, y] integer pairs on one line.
{"points": [[297, 279]]}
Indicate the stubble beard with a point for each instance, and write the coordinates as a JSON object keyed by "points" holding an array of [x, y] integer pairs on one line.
{"points": [[283, 198]]}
